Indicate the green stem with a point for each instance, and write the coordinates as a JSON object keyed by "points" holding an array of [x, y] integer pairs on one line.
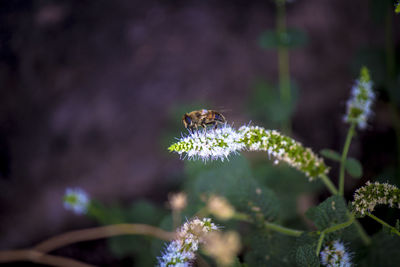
{"points": [[393, 230], [364, 236], [350, 134], [332, 188], [283, 62], [282, 229], [332, 229], [321, 238], [271, 226]]}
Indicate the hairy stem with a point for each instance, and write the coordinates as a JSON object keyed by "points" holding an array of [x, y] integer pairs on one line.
{"points": [[282, 229], [283, 63], [271, 226], [332, 229], [319, 245], [392, 229], [332, 188], [350, 134]]}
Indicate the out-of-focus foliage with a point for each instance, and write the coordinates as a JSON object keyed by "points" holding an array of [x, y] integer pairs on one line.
{"points": [[292, 38], [352, 165], [265, 104]]}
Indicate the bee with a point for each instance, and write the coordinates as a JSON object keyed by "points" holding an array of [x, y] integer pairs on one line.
{"points": [[202, 118]]}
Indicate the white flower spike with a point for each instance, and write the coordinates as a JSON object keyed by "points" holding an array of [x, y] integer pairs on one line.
{"points": [[362, 97], [220, 143], [181, 251], [372, 194]]}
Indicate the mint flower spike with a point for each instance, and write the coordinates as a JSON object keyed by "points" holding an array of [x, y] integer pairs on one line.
{"points": [[181, 251], [372, 194], [76, 200], [361, 100], [335, 255], [284, 148], [220, 143], [209, 144]]}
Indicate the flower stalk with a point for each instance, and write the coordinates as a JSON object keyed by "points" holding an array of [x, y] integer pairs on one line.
{"points": [[346, 147], [385, 224]]}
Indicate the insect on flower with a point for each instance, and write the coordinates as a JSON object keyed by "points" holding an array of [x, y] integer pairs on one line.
{"points": [[202, 118]]}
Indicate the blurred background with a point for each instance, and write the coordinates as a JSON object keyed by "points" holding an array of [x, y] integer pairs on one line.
{"points": [[93, 92]]}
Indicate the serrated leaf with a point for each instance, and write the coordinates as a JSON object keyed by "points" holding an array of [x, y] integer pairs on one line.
{"points": [[304, 250], [354, 168], [292, 38], [330, 212], [269, 250], [330, 154]]}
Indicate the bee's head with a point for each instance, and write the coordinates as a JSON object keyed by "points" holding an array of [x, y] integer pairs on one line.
{"points": [[187, 121]]}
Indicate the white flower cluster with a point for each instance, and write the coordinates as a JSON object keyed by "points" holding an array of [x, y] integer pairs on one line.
{"points": [[77, 200], [372, 194], [335, 255], [362, 97], [181, 251], [209, 144]]}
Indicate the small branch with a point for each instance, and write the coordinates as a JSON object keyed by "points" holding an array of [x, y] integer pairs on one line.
{"points": [[350, 134], [101, 232], [282, 229], [332, 229], [394, 230], [321, 238], [364, 236], [332, 188], [271, 226], [39, 257]]}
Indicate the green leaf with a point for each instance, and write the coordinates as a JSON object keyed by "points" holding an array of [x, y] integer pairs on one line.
{"points": [[353, 167], [293, 38], [330, 212], [269, 249], [330, 154], [304, 250]]}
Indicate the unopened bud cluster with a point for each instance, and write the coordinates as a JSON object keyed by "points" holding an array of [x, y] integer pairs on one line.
{"points": [[283, 148], [181, 251], [362, 97], [335, 255], [221, 142], [372, 194]]}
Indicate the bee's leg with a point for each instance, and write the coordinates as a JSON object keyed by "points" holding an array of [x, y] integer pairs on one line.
{"points": [[204, 127]]}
